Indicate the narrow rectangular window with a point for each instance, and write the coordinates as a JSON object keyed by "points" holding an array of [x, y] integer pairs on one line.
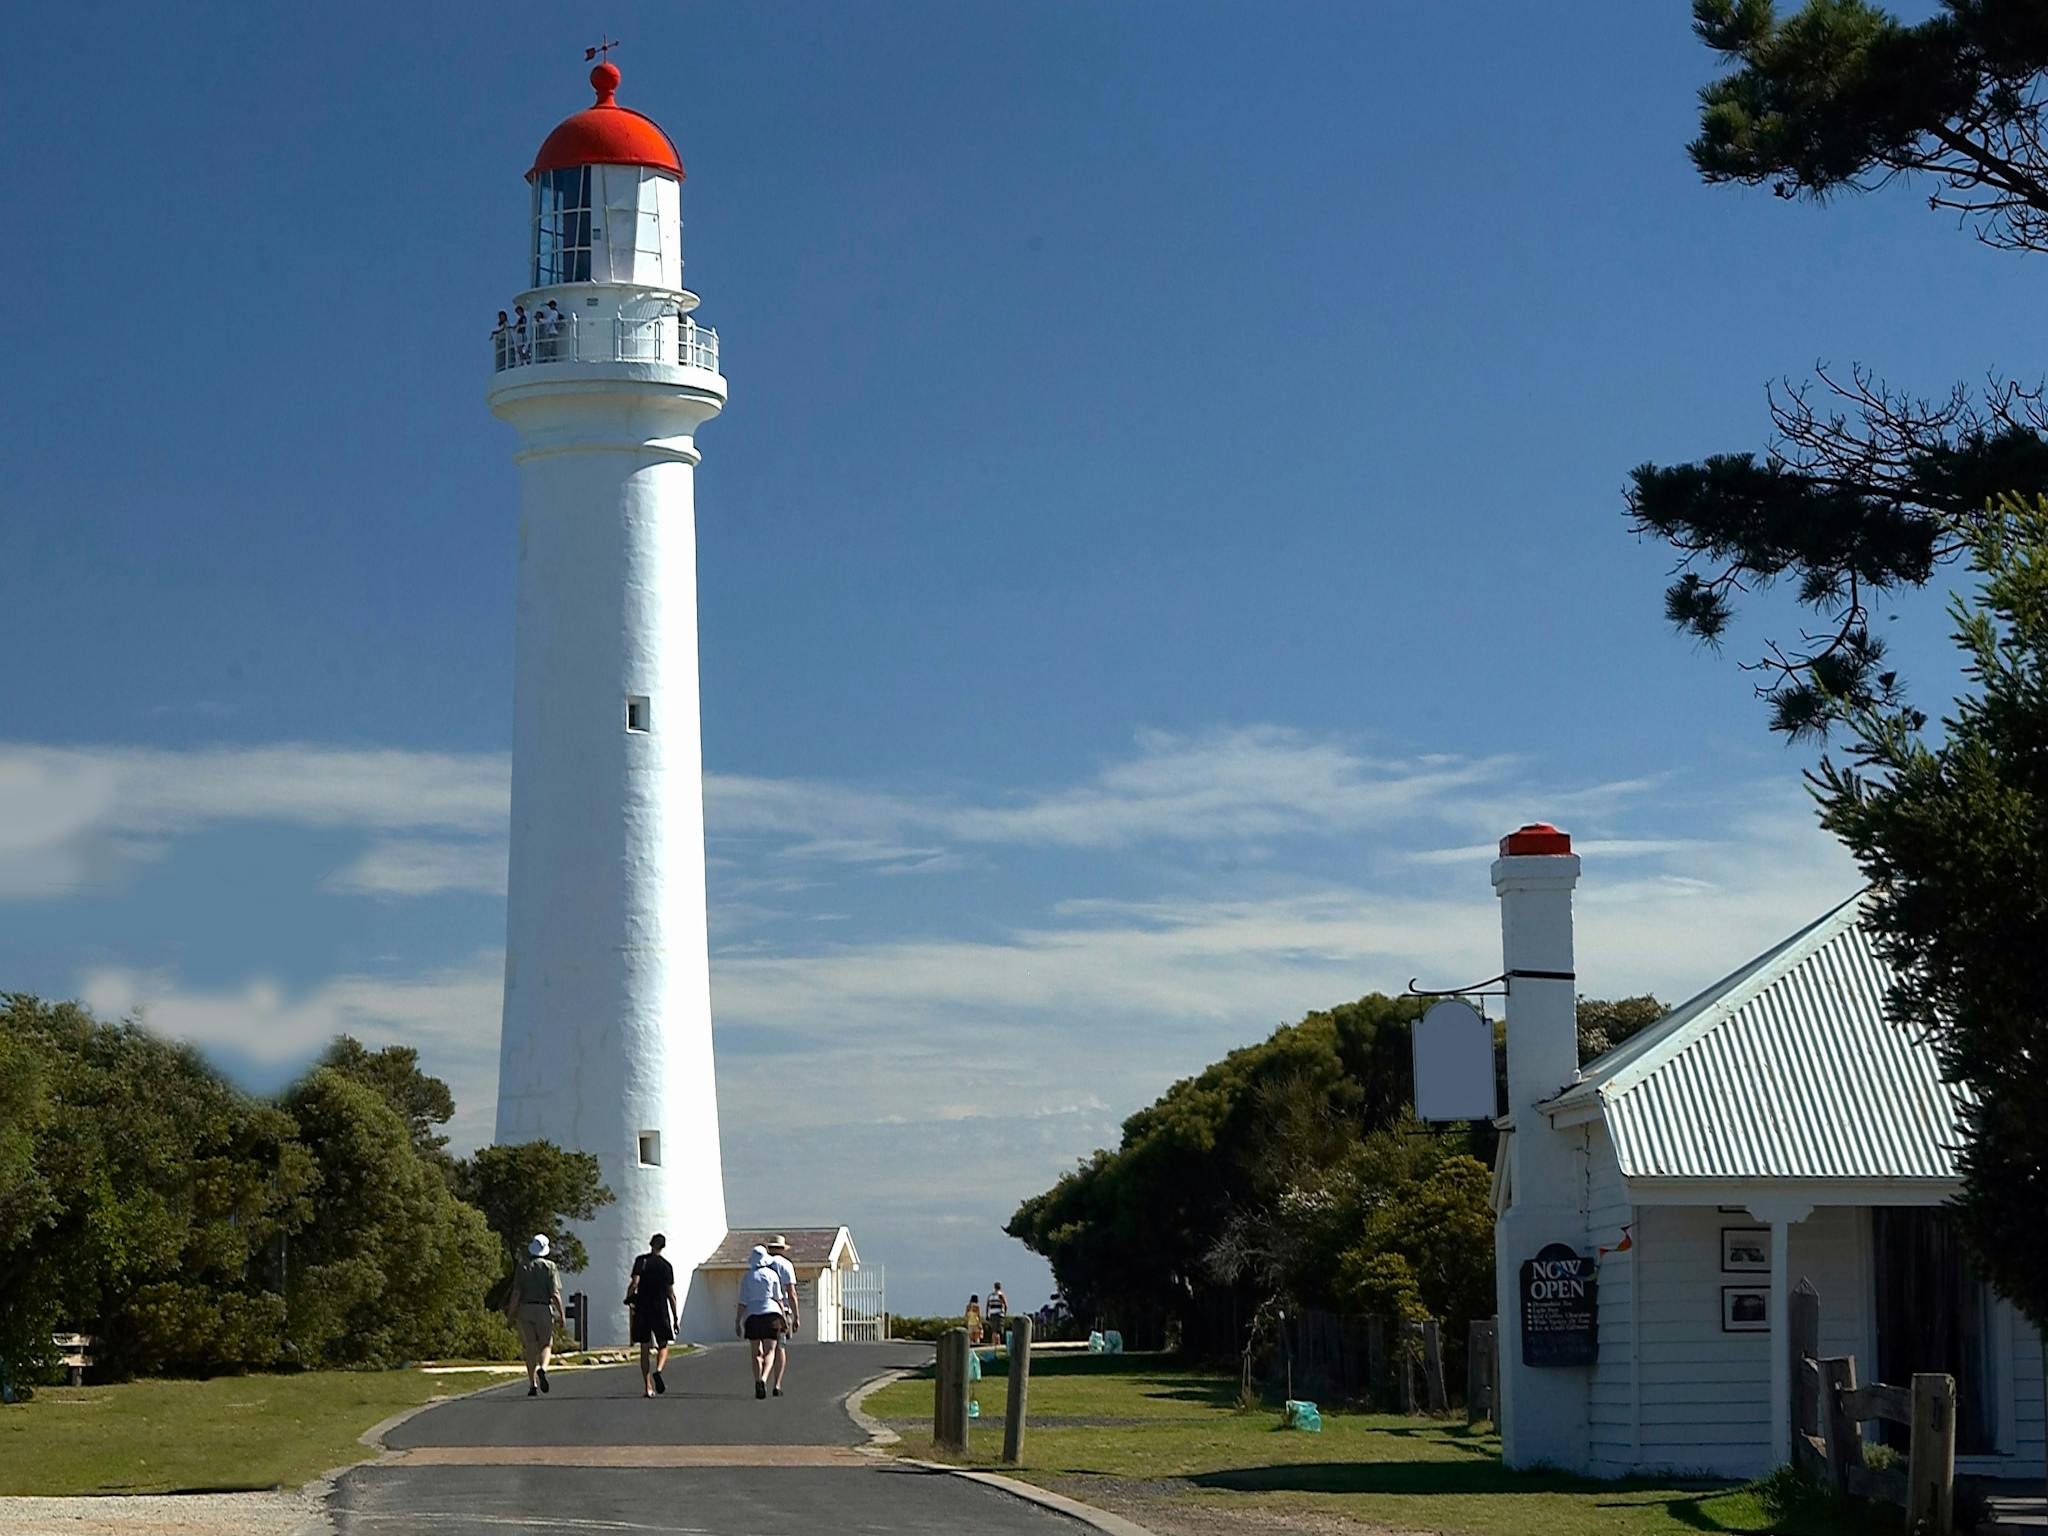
{"points": [[650, 1149], [638, 716]]}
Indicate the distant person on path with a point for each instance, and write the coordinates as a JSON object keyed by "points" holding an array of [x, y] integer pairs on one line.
{"points": [[534, 1306], [998, 1311], [651, 1293], [973, 1319], [759, 1317], [778, 1256]]}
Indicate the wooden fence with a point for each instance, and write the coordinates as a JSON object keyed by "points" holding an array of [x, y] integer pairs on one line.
{"points": [[1390, 1364], [1828, 1410]]}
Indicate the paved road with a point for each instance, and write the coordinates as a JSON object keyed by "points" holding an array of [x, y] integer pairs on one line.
{"points": [[708, 1459], [710, 1401]]}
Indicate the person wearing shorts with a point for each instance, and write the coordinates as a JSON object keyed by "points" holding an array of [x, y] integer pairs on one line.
{"points": [[534, 1306], [652, 1296], [778, 1256], [759, 1316]]}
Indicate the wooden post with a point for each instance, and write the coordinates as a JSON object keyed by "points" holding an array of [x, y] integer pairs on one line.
{"points": [[1931, 1456], [1843, 1436], [1802, 1344], [949, 1411], [1020, 1389], [1433, 1367], [1493, 1371], [1478, 1370]]}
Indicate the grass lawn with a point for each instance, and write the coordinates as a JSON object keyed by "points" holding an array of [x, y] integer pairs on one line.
{"points": [[235, 1432], [1153, 1437]]}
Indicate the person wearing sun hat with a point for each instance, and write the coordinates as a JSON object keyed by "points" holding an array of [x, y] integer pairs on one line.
{"points": [[778, 1259], [759, 1318], [534, 1306]]}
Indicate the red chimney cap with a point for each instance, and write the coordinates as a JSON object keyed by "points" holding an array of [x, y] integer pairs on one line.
{"points": [[1538, 837], [607, 134]]}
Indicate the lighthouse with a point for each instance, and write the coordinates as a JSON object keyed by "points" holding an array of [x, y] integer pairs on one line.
{"points": [[606, 1040]]}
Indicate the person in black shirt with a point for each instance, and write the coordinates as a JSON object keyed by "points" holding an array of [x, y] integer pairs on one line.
{"points": [[652, 1295]]}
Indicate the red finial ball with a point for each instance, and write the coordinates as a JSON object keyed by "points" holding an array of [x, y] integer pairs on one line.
{"points": [[605, 81]]}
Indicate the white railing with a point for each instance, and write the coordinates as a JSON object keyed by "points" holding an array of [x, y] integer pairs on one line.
{"points": [[863, 1306], [625, 339]]}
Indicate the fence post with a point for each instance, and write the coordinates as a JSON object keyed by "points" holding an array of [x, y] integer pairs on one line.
{"points": [[1433, 1367], [1493, 1371], [1931, 1455], [1803, 1343], [1478, 1370], [1844, 1438], [949, 1412], [1020, 1389]]}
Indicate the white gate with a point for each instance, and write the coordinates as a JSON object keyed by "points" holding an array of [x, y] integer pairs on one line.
{"points": [[863, 1311]]}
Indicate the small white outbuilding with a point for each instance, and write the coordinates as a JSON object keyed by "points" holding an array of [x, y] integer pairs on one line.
{"points": [[1776, 1128], [823, 1258]]}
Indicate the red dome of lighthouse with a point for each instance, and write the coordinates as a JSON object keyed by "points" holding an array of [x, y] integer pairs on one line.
{"points": [[607, 134]]}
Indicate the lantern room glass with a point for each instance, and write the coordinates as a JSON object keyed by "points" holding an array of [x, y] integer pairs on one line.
{"points": [[561, 226]]}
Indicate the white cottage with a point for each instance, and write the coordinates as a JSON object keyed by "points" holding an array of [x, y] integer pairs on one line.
{"points": [[1775, 1128], [822, 1258]]}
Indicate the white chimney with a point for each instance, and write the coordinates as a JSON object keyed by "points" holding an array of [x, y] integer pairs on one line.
{"points": [[1543, 1409]]}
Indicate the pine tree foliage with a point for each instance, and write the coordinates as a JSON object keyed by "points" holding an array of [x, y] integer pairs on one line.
{"points": [[1952, 831], [1863, 490]]}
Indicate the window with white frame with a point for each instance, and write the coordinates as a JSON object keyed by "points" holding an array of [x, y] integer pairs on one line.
{"points": [[561, 226]]}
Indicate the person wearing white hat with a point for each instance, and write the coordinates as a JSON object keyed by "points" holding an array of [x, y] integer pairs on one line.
{"points": [[759, 1317], [778, 1256], [534, 1306]]}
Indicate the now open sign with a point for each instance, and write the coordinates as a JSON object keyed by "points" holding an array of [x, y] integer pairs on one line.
{"points": [[1560, 1308]]}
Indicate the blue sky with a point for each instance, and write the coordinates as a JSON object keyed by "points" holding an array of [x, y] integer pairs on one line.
{"points": [[1166, 525]]}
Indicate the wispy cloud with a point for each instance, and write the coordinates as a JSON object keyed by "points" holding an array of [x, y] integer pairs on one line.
{"points": [[422, 868], [77, 818]]}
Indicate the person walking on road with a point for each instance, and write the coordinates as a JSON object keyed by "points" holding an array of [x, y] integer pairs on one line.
{"points": [[997, 1308], [652, 1295], [972, 1318], [534, 1306], [759, 1317], [792, 1307]]}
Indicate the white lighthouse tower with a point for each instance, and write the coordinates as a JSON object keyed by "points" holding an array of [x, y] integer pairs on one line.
{"points": [[606, 1045]]}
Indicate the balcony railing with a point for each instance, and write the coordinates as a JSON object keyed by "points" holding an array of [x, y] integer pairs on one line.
{"points": [[620, 339]]}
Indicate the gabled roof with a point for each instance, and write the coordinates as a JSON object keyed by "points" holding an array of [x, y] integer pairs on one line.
{"points": [[808, 1246], [1786, 1069]]}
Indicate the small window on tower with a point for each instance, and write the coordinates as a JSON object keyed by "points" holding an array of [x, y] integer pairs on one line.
{"points": [[650, 1149], [638, 716]]}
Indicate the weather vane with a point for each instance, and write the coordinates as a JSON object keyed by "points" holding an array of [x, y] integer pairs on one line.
{"points": [[603, 50]]}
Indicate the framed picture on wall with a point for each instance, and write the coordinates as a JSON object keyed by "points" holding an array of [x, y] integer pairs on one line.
{"points": [[1745, 1309], [1745, 1250]]}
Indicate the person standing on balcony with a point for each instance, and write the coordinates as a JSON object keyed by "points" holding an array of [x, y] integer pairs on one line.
{"points": [[520, 334], [557, 323], [501, 340]]}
